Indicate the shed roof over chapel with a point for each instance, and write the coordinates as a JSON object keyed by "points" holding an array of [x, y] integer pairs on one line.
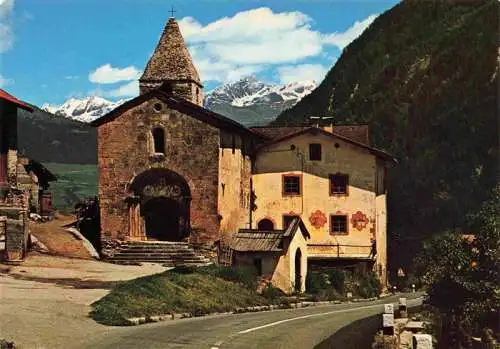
{"points": [[171, 59]]}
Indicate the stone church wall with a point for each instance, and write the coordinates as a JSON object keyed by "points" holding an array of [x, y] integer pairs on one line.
{"points": [[125, 151], [234, 184]]}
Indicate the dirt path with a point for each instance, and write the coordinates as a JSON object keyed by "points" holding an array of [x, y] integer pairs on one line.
{"points": [[60, 242], [46, 301]]}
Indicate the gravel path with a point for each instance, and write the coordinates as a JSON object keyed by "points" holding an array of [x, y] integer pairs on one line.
{"points": [[45, 301]]}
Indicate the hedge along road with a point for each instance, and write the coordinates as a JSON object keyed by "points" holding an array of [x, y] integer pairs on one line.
{"points": [[291, 328]]}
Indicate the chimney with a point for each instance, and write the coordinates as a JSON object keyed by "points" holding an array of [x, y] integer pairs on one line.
{"points": [[328, 128]]}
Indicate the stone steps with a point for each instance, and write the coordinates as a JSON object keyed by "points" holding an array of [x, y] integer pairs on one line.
{"points": [[170, 254]]}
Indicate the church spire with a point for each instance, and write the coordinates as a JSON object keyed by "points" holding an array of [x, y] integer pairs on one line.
{"points": [[171, 63]]}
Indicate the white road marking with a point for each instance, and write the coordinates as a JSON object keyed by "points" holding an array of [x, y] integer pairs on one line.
{"points": [[313, 315]]}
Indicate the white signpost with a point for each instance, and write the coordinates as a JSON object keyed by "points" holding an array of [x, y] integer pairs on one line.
{"points": [[388, 319], [422, 341], [403, 312], [389, 308]]}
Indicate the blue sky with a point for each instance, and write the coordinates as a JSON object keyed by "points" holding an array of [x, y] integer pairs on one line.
{"points": [[51, 50]]}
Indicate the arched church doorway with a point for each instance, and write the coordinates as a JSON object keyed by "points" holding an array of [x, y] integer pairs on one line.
{"points": [[161, 219], [298, 271], [160, 206]]}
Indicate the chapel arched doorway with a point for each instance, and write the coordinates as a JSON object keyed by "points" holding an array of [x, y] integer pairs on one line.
{"points": [[160, 206], [298, 271], [161, 219]]}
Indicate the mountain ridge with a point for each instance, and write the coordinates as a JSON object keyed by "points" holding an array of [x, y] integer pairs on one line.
{"points": [[247, 100]]}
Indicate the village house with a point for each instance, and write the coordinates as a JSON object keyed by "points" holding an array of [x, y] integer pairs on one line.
{"points": [[282, 199], [14, 201], [336, 182]]}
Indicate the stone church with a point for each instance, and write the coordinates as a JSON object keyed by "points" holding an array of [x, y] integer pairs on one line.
{"points": [[283, 198], [170, 169]]}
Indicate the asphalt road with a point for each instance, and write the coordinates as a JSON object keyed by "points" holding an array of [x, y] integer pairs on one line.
{"points": [[301, 328]]}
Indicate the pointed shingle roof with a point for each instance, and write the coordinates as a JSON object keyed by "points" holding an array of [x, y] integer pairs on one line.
{"points": [[171, 59]]}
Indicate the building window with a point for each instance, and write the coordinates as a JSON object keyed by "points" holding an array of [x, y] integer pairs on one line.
{"points": [[338, 225], [157, 107], [265, 224], [315, 152], [159, 140], [339, 184], [287, 219], [291, 185]]}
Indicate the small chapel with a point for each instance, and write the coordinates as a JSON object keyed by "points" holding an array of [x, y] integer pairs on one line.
{"points": [[283, 199]]}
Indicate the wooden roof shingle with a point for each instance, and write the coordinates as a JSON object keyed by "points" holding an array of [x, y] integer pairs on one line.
{"points": [[254, 240]]}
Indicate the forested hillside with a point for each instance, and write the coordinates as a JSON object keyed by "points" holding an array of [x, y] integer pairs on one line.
{"points": [[424, 75]]}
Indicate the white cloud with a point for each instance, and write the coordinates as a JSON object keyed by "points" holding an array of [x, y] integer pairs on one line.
{"points": [[71, 77], [6, 33], [343, 39], [251, 41], [301, 72], [4, 81], [243, 44], [130, 89], [106, 74]]}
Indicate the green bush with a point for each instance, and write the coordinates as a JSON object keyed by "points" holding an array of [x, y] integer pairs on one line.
{"points": [[179, 291], [272, 293], [337, 279], [327, 294], [243, 275], [369, 285], [316, 282]]}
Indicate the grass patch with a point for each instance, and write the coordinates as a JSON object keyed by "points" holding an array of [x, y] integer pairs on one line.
{"points": [[74, 183], [196, 292]]}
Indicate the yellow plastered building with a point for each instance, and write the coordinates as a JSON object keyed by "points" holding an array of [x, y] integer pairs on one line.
{"points": [[335, 182]]}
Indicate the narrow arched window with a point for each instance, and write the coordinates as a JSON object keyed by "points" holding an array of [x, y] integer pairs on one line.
{"points": [[265, 224], [159, 140]]}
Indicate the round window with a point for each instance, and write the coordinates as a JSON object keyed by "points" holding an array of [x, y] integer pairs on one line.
{"points": [[157, 107]]}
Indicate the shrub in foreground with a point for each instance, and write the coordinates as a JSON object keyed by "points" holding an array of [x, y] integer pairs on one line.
{"points": [[179, 291]]}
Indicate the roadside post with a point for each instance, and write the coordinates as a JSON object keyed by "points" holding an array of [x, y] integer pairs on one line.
{"points": [[422, 341], [388, 320], [349, 296], [403, 312]]}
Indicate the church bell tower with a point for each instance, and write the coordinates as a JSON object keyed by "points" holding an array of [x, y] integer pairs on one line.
{"points": [[171, 67]]}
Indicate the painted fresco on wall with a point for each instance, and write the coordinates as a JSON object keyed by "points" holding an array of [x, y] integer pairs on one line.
{"points": [[359, 220], [318, 219]]}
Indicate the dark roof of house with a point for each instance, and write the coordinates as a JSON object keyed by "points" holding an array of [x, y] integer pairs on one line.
{"points": [[358, 133], [255, 240], [42, 172], [316, 130], [171, 59], [10, 98], [246, 240], [177, 103]]}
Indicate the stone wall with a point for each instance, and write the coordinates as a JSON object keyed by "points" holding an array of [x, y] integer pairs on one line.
{"points": [[125, 151], [14, 210], [234, 184]]}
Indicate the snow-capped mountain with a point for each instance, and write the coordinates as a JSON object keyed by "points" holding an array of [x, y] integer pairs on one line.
{"points": [[252, 102], [86, 110], [248, 101]]}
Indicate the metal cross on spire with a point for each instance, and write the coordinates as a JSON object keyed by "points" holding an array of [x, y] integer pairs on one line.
{"points": [[172, 11]]}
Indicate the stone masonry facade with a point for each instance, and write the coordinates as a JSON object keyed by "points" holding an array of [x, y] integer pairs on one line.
{"points": [[13, 197], [191, 150]]}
